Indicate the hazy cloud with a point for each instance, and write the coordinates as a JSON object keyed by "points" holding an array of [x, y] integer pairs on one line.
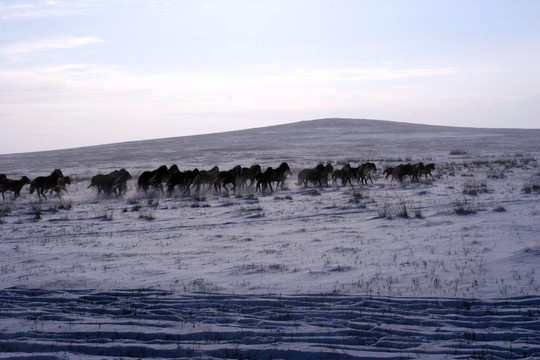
{"points": [[88, 87], [40, 9], [39, 46]]}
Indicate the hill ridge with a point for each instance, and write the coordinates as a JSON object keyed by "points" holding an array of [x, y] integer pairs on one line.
{"points": [[331, 139]]}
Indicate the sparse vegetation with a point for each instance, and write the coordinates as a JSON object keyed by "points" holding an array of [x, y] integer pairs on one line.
{"points": [[105, 213], [36, 210], [399, 208], [147, 214], [465, 207], [531, 186], [475, 186], [5, 211]]}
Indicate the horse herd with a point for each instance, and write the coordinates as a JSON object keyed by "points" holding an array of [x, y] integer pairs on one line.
{"points": [[253, 177], [415, 171], [55, 182]]}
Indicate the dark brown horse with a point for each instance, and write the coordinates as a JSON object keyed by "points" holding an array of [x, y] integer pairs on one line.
{"points": [[250, 174], [153, 179], [427, 169], [403, 170], [280, 174], [42, 184], [62, 182], [229, 177], [271, 175], [13, 185], [344, 174], [182, 179], [388, 172], [114, 182], [264, 180], [317, 175], [206, 177], [364, 171]]}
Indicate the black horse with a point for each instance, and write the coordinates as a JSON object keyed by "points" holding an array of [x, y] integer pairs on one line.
{"points": [[317, 175], [13, 185], [153, 179], [182, 179], [42, 184], [280, 175], [364, 171], [114, 182], [228, 177]]}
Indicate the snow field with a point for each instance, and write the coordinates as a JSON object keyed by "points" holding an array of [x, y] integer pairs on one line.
{"points": [[386, 238], [442, 268], [160, 325]]}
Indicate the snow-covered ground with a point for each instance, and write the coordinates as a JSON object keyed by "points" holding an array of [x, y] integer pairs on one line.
{"points": [[444, 267]]}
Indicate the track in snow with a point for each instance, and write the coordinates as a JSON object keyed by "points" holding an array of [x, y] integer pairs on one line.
{"points": [[158, 324]]}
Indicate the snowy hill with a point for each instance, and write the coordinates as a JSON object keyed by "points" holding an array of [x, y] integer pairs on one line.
{"points": [[306, 141]]}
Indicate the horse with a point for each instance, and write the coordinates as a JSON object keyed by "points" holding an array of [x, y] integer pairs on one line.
{"points": [[249, 174], [415, 171], [114, 182], [264, 179], [13, 185], [182, 179], [100, 181], [173, 169], [388, 172], [176, 179], [329, 169], [426, 170], [153, 178], [41, 184], [315, 175], [280, 174], [364, 172], [403, 170], [344, 174], [119, 186], [271, 175], [62, 182], [207, 177], [228, 177]]}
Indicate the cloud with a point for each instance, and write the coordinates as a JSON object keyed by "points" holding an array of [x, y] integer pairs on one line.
{"points": [[342, 75], [108, 88], [44, 45], [86, 98], [44, 9]]}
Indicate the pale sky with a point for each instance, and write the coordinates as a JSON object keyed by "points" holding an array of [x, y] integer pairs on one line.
{"points": [[77, 73]]}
